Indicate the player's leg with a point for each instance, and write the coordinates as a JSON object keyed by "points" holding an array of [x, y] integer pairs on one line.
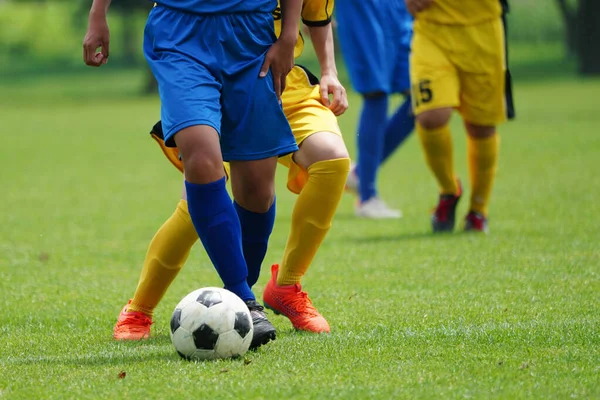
{"points": [[252, 183], [317, 173], [167, 253], [402, 122], [211, 208], [482, 153], [324, 160], [398, 129], [253, 188], [435, 91], [191, 115], [370, 144], [483, 107], [364, 42], [255, 133]]}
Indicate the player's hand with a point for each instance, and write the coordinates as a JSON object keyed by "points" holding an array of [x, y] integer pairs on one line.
{"points": [[97, 36], [330, 85], [280, 58], [416, 6]]}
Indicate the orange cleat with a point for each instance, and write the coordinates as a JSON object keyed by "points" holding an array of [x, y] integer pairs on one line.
{"points": [[132, 325], [292, 302]]}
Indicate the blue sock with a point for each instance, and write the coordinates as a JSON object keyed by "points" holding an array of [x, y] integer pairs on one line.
{"points": [[256, 229], [399, 127], [371, 130], [218, 227]]}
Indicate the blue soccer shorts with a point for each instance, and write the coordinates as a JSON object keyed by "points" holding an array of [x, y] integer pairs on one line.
{"points": [[207, 68], [375, 41]]}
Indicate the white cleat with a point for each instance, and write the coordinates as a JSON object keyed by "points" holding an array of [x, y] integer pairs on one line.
{"points": [[375, 208]]}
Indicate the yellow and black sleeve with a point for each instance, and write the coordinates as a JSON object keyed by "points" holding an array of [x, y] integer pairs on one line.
{"points": [[317, 12]]}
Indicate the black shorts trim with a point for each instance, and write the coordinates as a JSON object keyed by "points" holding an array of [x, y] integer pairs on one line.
{"points": [[157, 130], [508, 91], [312, 79], [316, 23]]}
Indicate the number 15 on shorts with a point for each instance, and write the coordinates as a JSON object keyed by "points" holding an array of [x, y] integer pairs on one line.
{"points": [[422, 93]]}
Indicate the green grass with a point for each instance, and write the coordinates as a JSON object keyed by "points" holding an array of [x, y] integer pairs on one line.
{"points": [[511, 315]]}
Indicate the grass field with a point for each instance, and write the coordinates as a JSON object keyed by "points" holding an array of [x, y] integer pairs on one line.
{"points": [[511, 315]]}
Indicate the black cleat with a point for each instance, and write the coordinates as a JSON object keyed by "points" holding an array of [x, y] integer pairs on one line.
{"points": [[444, 215], [264, 331]]}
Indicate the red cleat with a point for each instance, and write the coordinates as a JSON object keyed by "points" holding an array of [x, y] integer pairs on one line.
{"points": [[444, 215], [132, 325], [476, 222], [292, 302]]}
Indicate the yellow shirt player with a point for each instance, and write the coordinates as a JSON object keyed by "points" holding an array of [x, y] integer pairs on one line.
{"points": [[317, 173], [458, 63]]}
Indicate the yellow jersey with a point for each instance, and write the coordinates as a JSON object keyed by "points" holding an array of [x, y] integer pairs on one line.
{"points": [[314, 13], [461, 12]]}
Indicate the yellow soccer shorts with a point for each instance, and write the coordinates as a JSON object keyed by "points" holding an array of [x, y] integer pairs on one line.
{"points": [[305, 113], [460, 66]]}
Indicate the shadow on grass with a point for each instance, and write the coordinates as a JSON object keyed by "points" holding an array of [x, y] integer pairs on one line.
{"points": [[401, 237], [157, 348], [95, 360], [108, 353], [458, 234]]}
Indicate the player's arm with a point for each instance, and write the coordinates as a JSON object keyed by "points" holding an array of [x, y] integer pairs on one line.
{"points": [[316, 15], [322, 39], [280, 57], [97, 35]]}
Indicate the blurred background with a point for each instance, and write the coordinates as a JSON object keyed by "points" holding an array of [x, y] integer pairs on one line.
{"points": [[43, 38]]}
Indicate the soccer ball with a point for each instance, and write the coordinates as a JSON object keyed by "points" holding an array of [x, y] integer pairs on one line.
{"points": [[211, 323]]}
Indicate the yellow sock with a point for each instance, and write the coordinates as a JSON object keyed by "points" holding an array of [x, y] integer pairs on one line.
{"points": [[437, 146], [483, 161], [312, 216], [166, 255]]}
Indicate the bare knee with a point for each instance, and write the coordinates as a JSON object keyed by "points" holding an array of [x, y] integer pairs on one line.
{"points": [[434, 119], [320, 146], [479, 131], [256, 195], [201, 154], [253, 184], [203, 167]]}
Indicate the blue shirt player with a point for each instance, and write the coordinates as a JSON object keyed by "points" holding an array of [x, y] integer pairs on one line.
{"points": [[375, 38], [220, 73]]}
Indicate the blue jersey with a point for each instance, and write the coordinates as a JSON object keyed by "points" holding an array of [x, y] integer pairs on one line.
{"points": [[221, 6], [406, 23]]}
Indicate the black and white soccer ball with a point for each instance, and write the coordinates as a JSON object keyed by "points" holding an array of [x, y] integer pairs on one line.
{"points": [[211, 323]]}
